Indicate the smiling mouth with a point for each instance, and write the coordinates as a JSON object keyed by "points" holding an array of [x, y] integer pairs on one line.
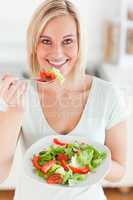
{"points": [[57, 64]]}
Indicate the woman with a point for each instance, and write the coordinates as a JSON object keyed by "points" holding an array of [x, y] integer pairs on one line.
{"points": [[84, 105]]}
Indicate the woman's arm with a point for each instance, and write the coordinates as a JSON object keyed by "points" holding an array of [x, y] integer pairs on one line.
{"points": [[10, 123], [116, 140]]}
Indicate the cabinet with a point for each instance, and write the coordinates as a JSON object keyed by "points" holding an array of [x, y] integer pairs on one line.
{"points": [[126, 33], [119, 37]]}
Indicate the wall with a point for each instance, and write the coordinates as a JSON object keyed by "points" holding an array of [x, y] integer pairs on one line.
{"points": [[15, 16]]}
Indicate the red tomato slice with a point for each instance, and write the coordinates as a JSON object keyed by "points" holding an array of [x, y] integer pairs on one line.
{"points": [[62, 156], [47, 166], [35, 162], [64, 165], [48, 74], [42, 75], [55, 179], [83, 170], [58, 142], [53, 76]]}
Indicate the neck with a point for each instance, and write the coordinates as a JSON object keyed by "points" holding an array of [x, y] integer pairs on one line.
{"points": [[77, 83]]}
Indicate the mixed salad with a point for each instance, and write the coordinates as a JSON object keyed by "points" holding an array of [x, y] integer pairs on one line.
{"points": [[67, 163], [50, 74]]}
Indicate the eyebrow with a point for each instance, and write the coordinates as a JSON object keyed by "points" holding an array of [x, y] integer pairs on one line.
{"points": [[70, 35], [45, 36], [48, 37]]}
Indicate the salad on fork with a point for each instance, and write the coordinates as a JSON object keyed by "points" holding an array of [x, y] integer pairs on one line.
{"points": [[49, 74]]}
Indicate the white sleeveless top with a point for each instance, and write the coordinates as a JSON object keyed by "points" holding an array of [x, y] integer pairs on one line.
{"points": [[104, 108]]}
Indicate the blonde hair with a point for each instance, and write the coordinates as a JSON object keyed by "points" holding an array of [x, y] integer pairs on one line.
{"points": [[48, 10]]}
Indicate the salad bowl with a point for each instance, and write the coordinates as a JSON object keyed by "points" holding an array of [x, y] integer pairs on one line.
{"points": [[91, 177]]}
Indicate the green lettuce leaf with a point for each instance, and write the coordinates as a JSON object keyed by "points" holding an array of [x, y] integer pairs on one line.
{"points": [[58, 74]]}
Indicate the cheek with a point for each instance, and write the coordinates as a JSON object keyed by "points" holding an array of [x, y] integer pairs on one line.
{"points": [[74, 55], [73, 52], [40, 52]]}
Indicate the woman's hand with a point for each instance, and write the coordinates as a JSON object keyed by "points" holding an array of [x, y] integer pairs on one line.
{"points": [[12, 91], [116, 140]]}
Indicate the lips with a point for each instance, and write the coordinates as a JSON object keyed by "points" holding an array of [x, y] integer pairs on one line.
{"points": [[57, 64]]}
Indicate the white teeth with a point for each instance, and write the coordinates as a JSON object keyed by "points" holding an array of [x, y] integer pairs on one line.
{"points": [[57, 63]]}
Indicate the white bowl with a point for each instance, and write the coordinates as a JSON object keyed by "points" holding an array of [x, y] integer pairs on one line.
{"points": [[92, 178]]}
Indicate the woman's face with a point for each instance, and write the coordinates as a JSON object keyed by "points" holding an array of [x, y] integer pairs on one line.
{"points": [[58, 44]]}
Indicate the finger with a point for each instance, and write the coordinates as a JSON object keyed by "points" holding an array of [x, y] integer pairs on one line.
{"points": [[6, 83], [16, 90], [3, 78], [17, 98], [21, 94], [6, 76]]}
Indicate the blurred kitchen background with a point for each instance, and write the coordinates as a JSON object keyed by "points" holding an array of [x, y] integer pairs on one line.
{"points": [[103, 19], [110, 56]]}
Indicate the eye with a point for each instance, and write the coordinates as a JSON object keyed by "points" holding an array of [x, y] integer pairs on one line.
{"points": [[46, 41], [68, 41]]}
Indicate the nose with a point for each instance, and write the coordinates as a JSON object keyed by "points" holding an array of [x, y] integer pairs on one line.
{"points": [[57, 52]]}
